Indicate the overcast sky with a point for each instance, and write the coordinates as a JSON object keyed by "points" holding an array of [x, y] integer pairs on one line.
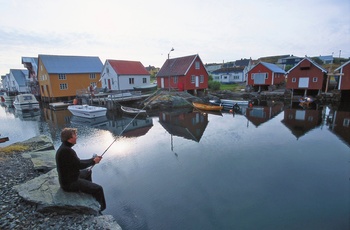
{"points": [[146, 30]]}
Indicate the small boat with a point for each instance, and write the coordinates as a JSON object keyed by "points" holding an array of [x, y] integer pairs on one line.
{"points": [[26, 102], [229, 104], [87, 111], [133, 111], [143, 88], [305, 101], [4, 139], [202, 106]]}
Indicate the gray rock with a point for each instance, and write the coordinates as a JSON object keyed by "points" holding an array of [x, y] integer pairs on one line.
{"points": [[49, 197], [106, 222], [43, 161]]}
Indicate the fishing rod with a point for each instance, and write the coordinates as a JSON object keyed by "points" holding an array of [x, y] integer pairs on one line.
{"points": [[115, 139]]}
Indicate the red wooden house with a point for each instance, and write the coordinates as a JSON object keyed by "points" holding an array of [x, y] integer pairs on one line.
{"points": [[344, 76], [183, 74], [264, 74], [307, 77]]}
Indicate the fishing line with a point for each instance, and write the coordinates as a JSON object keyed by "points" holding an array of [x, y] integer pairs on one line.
{"points": [[115, 139]]}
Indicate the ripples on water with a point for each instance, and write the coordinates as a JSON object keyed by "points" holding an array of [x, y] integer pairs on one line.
{"points": [[273, 166]]}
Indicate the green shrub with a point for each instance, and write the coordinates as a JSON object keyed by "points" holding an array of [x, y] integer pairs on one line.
{"points": [[214, 85]]}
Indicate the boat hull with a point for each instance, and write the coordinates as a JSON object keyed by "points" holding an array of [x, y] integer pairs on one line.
{"points": [[26, 102], [87, 111], [207, 107]]}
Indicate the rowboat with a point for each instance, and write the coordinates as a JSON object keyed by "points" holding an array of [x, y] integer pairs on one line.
{"points": [[26, 102], [207, 106], [133, 111], [87, 111], [229, 104], [145, 88]]}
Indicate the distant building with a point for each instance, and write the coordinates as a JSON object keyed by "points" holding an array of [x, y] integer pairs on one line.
{"points": [[344, 76], [31, 64], [183, 73], [328, 59], [229, 75], [17, 81], [61, 77], [124, 75]]}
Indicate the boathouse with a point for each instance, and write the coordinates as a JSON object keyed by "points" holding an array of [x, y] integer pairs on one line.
{"points": [[183, 74], [306, 78]]}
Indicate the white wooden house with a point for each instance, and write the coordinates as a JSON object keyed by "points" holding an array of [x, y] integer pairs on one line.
{"points": [[124, 75], [17, 81]]}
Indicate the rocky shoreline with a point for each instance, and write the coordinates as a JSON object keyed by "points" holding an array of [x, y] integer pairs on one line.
{"points": [[17, 213]]}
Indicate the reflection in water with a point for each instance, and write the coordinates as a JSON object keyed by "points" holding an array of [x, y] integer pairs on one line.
{"points": [[263, 112], [118, 125], [189, 125], [339, 123]]}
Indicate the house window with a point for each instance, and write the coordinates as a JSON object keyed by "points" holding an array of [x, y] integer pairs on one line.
{"points": [[197, 65], [346, 122], [193, 78], [144, 80], [107, 70], [201, 79], [61, 76], [294, 79], [175, 79], [314, 79], [63, 86], [131, 81], [92, 76]]}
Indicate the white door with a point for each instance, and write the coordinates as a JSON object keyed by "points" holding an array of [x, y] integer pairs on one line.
{"points": [[162, 82], [303, 82], [197, 81]]}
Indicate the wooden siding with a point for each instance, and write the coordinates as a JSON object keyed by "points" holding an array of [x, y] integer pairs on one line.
{"points": [[50, 83], [308, 70], [272, 78], [345, 78]]}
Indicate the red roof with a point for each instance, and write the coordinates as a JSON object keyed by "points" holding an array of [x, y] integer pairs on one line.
{"points": [[128, 67], [177, 66]]}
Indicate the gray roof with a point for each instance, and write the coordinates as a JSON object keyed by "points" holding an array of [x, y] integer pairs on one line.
{"points": [[20, 76], [274, 68], [71, 64]]}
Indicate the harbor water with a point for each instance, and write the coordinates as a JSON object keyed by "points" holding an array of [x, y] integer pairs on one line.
{"points": [[272, 166]]}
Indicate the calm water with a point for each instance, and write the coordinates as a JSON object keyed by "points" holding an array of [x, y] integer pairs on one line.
{"points": [[273, 166]]}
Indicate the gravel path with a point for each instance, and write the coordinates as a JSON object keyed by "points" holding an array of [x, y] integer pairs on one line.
{"points": [[15, 213]]}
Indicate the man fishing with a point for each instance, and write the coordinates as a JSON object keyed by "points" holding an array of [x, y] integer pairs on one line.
{"points": [[73, 174]]}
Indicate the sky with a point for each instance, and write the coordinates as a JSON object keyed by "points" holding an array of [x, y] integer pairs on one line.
{"points": [[138, 30]]}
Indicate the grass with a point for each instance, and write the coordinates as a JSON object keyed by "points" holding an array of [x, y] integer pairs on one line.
{"points": [[232, 87], [11, 149]]}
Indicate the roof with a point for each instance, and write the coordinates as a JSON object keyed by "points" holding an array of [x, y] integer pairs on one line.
{"points": [[229, 70], [19, 75], [242, 62], [312, 62], [71, 64], [128, 67], [340, 67], [177, 66], [274, 68]]}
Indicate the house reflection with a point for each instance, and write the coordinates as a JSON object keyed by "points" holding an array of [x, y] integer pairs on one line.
{"points": [[339, 123], [300, 121], [263, 112], [186, 124]]}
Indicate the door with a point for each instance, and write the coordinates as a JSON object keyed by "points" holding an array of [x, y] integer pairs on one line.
{"points": [[197, 81], [109, 83], [162, 82]]}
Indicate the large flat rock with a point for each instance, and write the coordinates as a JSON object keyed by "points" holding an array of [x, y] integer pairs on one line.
{"points": [[49, 197], [43, 161]]}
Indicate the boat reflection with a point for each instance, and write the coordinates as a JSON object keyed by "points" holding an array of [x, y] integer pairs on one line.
{"points": [[187, 124], [28, 115]]}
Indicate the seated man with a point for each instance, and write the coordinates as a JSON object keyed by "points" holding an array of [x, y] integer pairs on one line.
{"points": [[72, 173]]}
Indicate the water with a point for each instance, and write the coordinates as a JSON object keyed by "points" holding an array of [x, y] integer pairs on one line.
{"points": [[276, 167]]}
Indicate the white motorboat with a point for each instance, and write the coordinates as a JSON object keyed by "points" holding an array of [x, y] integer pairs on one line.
{"points": [[87, 111], [26, 102]]}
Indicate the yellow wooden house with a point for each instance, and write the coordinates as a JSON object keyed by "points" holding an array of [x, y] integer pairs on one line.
{"points": [[62, 77]]}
